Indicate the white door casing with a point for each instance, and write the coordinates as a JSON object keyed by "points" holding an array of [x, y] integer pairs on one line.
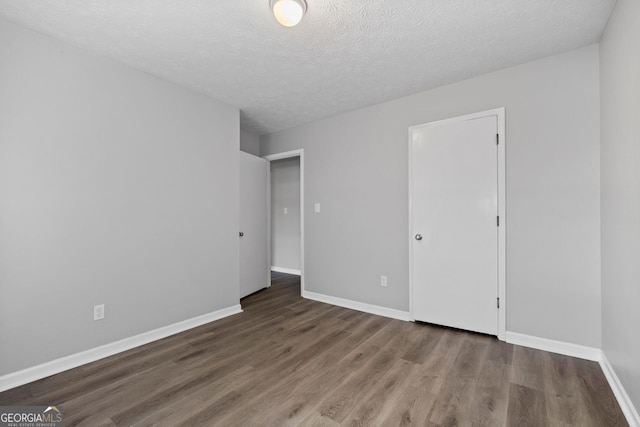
{"points": [[456, 194], [253, 221], [285, 155]]}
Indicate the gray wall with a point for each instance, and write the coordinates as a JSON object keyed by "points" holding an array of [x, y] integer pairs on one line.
{"points": [[356, 167], [249, 142], [620, 169], [115, 188], [285, 228]]}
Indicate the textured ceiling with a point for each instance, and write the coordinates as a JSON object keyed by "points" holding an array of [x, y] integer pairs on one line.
{"points": [[345, 54]]}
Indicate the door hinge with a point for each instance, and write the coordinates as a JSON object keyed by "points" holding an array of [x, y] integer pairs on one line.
{"points": [[498, 221], [497, 138], [498, 302]]}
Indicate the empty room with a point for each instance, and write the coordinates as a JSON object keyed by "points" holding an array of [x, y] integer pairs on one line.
{"points": [[319, 213]]}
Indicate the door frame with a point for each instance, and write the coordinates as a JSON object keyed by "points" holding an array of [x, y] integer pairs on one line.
{"points": [[278, 156], [499, 113]]}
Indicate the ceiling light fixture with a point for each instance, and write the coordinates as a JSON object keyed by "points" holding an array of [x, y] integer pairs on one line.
{"points": [[288, 12]]}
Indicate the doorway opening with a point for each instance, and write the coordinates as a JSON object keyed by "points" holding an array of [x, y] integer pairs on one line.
{"points": [[285, 231]]}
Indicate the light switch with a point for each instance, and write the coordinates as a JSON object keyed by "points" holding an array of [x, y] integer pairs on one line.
{"points": [[317, 207], [285, 211]]}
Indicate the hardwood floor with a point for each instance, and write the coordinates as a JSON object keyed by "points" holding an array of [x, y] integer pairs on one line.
{"points": [[290, 361]]}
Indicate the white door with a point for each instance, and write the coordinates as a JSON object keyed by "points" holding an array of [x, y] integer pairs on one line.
{"points": [[454, 215], [254, 266]]}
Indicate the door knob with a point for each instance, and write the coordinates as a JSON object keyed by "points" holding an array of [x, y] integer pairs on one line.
{"points": [[418, 236], [241, 234]]}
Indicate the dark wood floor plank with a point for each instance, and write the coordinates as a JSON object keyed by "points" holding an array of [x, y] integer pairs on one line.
{"points": [[490, 397], [367, 410], [561, 389], [288, 361], [315, 419], [469, 360], [437, 365], [501, 352], [92, 406], [328, 375], [526, 407], [427, 338], [163, 397], [527, 367], [452, 406], [17, 396], [293, 363], [340, 402], [410, 407], [194, 402], [598, 405]]}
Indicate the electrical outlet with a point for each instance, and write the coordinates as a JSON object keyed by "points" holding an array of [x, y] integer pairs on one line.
{"points": [[98, 312], [383, 281]]}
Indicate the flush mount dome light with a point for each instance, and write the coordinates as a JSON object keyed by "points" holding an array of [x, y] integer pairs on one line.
{"points": [[288, 12]]}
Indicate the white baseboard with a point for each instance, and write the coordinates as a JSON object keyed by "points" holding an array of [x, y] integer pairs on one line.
{"points": [[18, 378], [629, 411], [286, 270], [560, 347], [356, 305]]}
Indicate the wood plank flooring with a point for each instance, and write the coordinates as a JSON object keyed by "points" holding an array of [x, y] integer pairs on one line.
{"points": [[288, 361]]}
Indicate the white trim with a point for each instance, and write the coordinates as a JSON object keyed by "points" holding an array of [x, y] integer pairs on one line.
{"points": [[410, 230], [286, 270], [268, 223], [502, 239], [502, 230], [279, 156], [628, 409], [553, 346], [360, 306], [18, 378]]}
